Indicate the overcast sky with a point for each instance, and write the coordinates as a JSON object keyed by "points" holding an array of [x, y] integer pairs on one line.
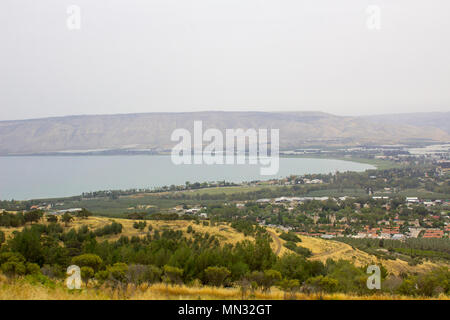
{"points": [[192, 55]]}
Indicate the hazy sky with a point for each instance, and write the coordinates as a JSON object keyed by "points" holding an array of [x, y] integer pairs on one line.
{"points": [[191, 55]]}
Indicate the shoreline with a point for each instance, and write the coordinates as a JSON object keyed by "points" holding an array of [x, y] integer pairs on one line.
{"points": [[376, 164]]}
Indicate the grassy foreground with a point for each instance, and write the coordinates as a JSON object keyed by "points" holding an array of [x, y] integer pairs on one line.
{"points": [[22, 289]]}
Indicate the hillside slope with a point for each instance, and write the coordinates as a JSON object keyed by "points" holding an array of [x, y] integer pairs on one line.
{"points": [[327, 249], [152, 131], [321, 249]]}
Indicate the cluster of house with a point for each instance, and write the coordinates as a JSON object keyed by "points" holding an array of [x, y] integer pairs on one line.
{"points": [[61, 212], [295, 199], [381, 233], [434, 233], [290, 181], [181, 210], [43, 207]]}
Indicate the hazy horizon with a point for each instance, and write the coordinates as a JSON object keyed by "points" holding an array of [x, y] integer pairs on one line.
{"points": [[223, 55], [205, 111]]}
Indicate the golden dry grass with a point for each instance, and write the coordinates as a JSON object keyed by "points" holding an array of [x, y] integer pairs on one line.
{"points": [[328, 249], [21, 290], [223, 231]]}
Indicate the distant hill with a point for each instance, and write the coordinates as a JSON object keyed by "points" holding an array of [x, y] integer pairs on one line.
{"points": [[152, 130], [439, 120]]}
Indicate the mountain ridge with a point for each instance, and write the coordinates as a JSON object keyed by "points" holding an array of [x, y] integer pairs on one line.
{"points": [[152, 130]]}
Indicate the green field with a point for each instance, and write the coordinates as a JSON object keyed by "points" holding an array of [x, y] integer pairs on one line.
{"points": [[378, 163]]}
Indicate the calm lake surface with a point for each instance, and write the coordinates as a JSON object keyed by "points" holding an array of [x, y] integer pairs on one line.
{"points": [[24, 178]]}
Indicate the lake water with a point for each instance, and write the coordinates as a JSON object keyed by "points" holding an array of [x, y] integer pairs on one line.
{"points": [[23, 178]]}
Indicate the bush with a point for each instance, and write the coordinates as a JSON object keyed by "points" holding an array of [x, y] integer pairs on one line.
{"points": [[298, 249], [408, 287], [289, 286], [53, 272], [11, 257], [138, 274], [66, 218], [84, 214], [153, 274], [434, 282], [52, 218], [172, 274], [33, 216], [271, 277], [323, 284], [33, 268], [113, 228], [13, 268], [290, 236], [35, 279], [102, 276], [216, 276], [117, 272], [86, 273], [140, 225]]}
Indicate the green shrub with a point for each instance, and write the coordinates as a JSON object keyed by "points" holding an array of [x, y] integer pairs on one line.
{"points": [[86, 273], [290, 236], [172, 274], [33, 268], [216, 276], [88, 260]]}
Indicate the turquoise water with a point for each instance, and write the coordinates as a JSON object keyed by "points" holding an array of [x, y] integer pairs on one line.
{"points": [[24, 178]]}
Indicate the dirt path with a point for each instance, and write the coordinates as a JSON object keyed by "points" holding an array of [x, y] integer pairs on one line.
{"points": [[277, 241]]}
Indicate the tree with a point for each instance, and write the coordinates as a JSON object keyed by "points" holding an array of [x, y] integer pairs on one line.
{"points": [[216, 275], [408, 287], [153, 274], [86, 274], [12, 264], [256, 278], [66, 218], [138, 273], [434, 282], [84, 214], [52, 218], [289, 286], [271, 277], [33, 268], [172, 274], [2, 237], [13, 268], [32, 216], [28, 244], [117, 272], [88, 260], [323, 284], [140, 225]]}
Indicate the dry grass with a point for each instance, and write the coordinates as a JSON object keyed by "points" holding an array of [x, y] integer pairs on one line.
{"points": [[224, 232], [328, 249], [21, 290]]}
